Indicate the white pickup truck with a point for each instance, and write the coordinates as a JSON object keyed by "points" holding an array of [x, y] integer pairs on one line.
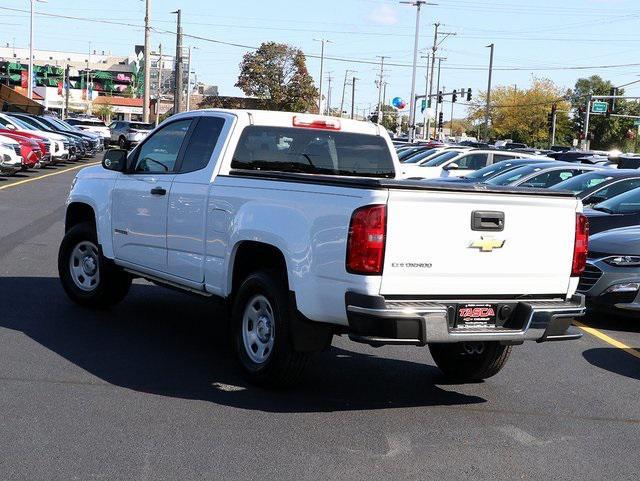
{"points": [[299, 224]]}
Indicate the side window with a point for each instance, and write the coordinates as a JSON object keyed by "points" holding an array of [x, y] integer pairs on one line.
{"points": [[618, 188], [201, 144], [158, 154], [473, 161], [501, 157], [547, 179]]}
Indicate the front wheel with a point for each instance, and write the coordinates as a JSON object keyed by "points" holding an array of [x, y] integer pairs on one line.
{"points": [[87, 277], [262, 331], [470, 361]]}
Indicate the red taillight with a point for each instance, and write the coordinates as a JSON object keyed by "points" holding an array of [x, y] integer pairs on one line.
{"points": [[311, 122], [366, 242], [581, 246]]}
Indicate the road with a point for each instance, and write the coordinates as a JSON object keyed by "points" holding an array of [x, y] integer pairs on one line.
{"points": [[149, 390]]}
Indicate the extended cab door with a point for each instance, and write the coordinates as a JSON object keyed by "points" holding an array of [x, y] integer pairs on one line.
{"points": [[187, 217], [141, 196]]}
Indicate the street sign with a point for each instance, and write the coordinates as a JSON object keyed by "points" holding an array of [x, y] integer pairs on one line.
{"points": [[424, 105], [636, 122], [599, 107]]}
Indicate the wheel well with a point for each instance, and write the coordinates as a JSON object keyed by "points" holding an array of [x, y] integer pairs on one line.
{"points": [[252, 256], [78, 212]]}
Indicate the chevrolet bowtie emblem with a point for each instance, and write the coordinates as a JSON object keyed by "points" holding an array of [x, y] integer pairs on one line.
{"points": [[487, 244]]}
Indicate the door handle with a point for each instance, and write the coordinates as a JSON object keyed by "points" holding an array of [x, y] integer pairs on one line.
{"points": [[158, 191]]}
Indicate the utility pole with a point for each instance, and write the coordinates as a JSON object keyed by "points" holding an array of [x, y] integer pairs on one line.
{"points": [[353, 96], [322, 42], [427, 100], [488, 111], [189, 79], [586, 124], [380, 81], [147, 62], [65, 88], [159, 98], [329, 79], [435, 121], [451, 121], [433, 64], [384, 101], [177, 100], [412, 106], [554, 117], [344, 88]]}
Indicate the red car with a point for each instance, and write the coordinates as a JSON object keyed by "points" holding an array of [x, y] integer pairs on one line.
{"points": [[27, 152]]}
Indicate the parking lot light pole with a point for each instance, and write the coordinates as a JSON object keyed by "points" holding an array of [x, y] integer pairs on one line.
{"points": [[488, 110], [412, 101], [31, 76], [322, 41]]}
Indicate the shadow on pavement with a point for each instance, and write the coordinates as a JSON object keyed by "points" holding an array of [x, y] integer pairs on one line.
{"points": [[614, 360], [170, 344]]}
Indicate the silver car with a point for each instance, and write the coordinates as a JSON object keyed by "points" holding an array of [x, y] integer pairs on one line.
{"points": [[128, 134], [611, 280]]}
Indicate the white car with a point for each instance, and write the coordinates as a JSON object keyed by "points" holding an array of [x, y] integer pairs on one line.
{"points": [[457, 163], [299, 224], [94, 125], [59, 144], [10, 157]]}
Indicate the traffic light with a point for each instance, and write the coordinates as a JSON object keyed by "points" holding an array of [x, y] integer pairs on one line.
{"points": [[440, 97], [468, 95], [440, 120], [612, 105], [550, 122], [454, 96], [580, 119]]}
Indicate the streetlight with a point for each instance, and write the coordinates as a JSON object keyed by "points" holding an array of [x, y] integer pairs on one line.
{"points": [[412, 101], [189, 79], [323, 41], [31, 77]]}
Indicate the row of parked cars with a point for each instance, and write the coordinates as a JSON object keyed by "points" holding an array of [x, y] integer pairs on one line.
{"points": [[610, 194], [35, 141]]}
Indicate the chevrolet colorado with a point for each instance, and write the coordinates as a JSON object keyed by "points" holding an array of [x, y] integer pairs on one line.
{"points": [[300, 225]]}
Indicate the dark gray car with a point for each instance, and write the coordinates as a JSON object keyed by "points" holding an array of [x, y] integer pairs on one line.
{"points": [[611, 280]]}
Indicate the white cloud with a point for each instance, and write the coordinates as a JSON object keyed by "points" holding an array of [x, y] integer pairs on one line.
{"points": [[384, 15]]}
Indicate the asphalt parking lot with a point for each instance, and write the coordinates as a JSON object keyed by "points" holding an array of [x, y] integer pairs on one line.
{"points": [[149, 390]]}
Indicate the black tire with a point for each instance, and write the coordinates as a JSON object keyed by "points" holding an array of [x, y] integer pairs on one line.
{"points": [[284, 365], [112, 284], [469, 362], [123, 144]]}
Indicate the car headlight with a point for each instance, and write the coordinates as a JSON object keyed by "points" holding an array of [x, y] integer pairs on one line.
{"points": [[623, 261], [625, 287]]}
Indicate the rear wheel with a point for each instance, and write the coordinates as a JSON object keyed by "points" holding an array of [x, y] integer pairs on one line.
{"points": [[262, 331], [123, 144], [470, 361], [87, 277]]}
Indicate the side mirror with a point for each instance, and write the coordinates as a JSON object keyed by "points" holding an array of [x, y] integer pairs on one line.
{"points": [[115, 159], [452, 166]]}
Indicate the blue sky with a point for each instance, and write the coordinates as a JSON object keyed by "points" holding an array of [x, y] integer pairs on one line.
{"points": [[531, 38]]}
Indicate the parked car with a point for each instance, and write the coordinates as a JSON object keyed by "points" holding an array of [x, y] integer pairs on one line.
{"points": [[406, 152], [620, 211], [96, 143], [30, 148], [299, 224], [419, 157], [128, 134], [494, 170], [599, 185], [94, 125], [611, 280], [456, 163], [74, 144], [515, 145], [542, 175], [577, 155], [10, 158]]}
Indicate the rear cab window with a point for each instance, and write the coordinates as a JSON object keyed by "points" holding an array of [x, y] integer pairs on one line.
{"points": [[312, 151]]}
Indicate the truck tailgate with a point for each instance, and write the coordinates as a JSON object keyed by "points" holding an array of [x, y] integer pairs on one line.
{"points": [[433, 250]]}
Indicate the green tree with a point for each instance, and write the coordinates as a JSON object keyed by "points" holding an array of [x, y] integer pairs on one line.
{"points": [[609, 132], [104, 111], [278, 74], [521, 114]]}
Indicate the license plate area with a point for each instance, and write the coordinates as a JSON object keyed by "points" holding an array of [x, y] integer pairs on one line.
{"points": [[476, 315]]}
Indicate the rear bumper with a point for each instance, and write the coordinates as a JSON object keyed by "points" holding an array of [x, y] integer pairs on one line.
{"points": [[375, 321]]}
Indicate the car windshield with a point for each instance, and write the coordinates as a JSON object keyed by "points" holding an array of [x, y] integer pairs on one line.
{"points": [[511, 176], [582, 182], [38, 123], [139, 126], [21, 124], [441, 158], [493, 170], [626, 203], [311, 151], [88, 123], [419, 155], [60, 123]]}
